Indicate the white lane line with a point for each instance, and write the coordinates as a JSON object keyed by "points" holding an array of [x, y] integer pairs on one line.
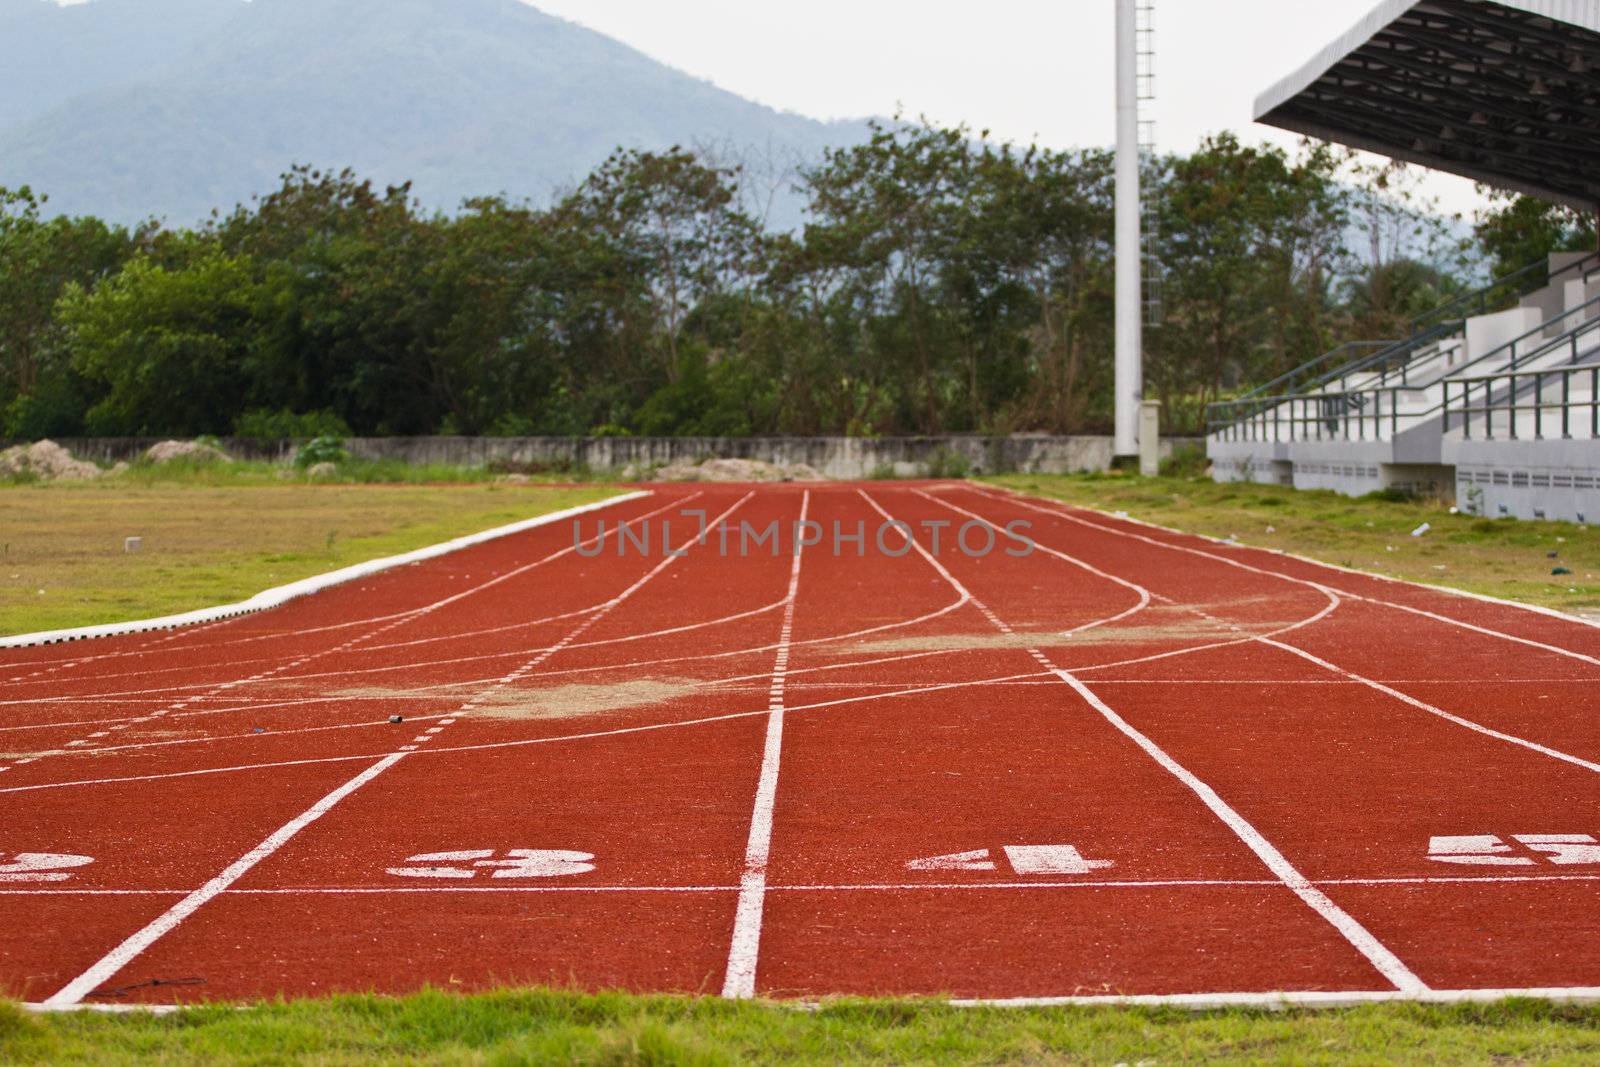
{"points": [[1351, 676], [216, 691], [152, 648], [744, 949], [264, 735], [206, 628], [411, 665], [1188, 650], [1376, 953], [601, 668], [1347, 675], [1140, 592], [1464, 594], [1534, 746], [108, 965], [587, 736], [119, 957], [1056, 512], [178, 707], [844, 887]]}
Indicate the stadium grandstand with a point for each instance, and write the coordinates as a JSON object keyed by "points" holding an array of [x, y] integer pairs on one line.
{"points": [[1495, 396]]}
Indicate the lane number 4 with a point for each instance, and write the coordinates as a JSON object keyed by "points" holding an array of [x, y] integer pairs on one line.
{"points": [[39, 866], [1025, 860], [1487, 850], [512, 863]]}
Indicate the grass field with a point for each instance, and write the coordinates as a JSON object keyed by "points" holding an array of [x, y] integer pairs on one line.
{"points": [[62, 561], [546, 1027], [1500, 557]]}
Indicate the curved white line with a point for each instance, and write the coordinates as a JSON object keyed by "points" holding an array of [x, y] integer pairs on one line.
{"points": [[1022, 501], [527, 742], [1469, 724]]}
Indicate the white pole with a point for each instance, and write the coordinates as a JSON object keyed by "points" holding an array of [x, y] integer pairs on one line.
{"points": [[1130, 322]]}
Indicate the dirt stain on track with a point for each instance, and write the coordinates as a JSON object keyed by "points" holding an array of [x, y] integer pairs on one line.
{"points": [[1197, 631], [531, 703]]}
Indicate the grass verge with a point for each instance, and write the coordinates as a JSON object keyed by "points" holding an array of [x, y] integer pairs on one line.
{"points": [[62, 562], [613, 1029], [1500, 557]]}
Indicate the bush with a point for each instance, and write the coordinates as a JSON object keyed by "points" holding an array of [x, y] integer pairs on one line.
{"points": [[948, 463], [264, 425], [321, 450], [55, 409], [1185, 463], [1391, 496]]}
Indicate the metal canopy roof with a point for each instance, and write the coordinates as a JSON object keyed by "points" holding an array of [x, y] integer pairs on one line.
{"points": [[1503, 91]]}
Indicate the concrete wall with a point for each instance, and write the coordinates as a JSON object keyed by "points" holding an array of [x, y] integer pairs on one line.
{"points": [[835, 457], [1489, 333], [1528, 479]]}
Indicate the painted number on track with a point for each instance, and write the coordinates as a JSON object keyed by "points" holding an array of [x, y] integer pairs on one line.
{"points": [[512, 863], [1523, 850], [1025, 860], [38, 866]]}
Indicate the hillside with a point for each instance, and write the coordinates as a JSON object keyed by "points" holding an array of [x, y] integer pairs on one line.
{"points": [[134, 108]]}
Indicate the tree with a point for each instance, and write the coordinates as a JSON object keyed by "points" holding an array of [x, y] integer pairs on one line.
{"points": [[675, 222], [886, 210], [173, 348], [1248, 236], [39, 258], [1518, 230]]}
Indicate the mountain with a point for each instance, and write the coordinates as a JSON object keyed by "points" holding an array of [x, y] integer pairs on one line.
{"points": [[130, 109]]}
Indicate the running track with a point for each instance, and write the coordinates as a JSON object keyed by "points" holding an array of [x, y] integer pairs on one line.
{"points": [[1130, 764]]}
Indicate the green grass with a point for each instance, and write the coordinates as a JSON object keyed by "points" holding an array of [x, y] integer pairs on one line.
{"points": [[348, 472], [1500, 557], [613, 1029], [208, 542]]}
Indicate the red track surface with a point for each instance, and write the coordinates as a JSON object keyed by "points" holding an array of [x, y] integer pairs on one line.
{"points": [[1255, 753]]}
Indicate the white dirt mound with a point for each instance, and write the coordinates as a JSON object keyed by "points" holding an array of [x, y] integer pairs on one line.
{"points": [[737, 470], [46, 460], [167, 451]]}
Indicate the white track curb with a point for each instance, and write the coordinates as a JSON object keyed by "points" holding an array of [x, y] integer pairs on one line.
{"points": [[1281, 1001], [1199, 1002], [272, 598]]}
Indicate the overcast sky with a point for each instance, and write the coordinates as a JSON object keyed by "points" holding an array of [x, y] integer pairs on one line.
{"points": [[1029, 70]]}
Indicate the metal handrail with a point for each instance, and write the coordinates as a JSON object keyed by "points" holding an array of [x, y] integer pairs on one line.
{"points": [[1325, 357], [1587, 323], [1390, 352], [1426, 328], [1334, 409], [1532, 269], [1510, 407], [1406, 349]]}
